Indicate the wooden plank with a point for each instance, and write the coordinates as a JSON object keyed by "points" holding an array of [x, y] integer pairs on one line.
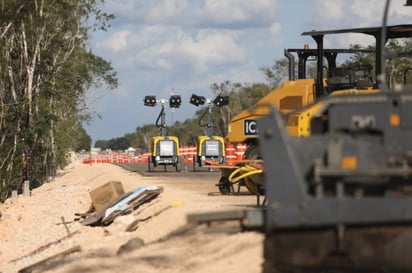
{"points": [[43, 262], [207, 217]]}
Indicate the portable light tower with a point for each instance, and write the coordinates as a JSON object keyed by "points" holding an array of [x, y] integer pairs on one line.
{"points": [[210, 149], [164, 150]]}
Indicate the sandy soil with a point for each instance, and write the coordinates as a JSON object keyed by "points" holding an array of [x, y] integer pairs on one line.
{"points": [[31, 230]]}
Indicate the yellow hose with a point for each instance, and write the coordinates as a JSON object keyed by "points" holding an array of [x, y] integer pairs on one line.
{"points": [[244, 173]]}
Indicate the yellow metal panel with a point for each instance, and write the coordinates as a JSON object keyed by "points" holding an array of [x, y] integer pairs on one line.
{"points": [[394, 120], [289, 96], [156, 139], [201, 139], [349, 162]]}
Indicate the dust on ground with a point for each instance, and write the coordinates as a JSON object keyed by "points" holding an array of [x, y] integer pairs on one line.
{"points": [[32, 229]]}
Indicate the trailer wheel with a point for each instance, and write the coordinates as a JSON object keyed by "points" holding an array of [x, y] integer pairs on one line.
{"points": [[149, 167], [179, 166], [224, 186]]}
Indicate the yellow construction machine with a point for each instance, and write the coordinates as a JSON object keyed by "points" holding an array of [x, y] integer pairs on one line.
{"points": [[210, 150], [293, 97], [296, 100], [299, 98], [164, 150], [338, 200]]}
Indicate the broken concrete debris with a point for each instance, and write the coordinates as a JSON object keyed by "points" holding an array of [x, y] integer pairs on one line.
{"points": [[121, 205]]}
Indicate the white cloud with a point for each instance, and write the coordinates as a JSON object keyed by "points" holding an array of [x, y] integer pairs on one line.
{"points": [[212, 48], [337, 14], [275, 28], [204, 13], [199, 53], [236, 11], [117, 42], [327, 12], [354, 13], [160, 47]]}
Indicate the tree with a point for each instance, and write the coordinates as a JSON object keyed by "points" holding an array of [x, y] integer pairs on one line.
{"points": [[398, 63], [45, 69], [278, 72], [241, 97]]}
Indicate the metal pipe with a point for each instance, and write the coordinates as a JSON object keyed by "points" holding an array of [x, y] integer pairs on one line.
{"points": [[382, 76], [291, 60]]}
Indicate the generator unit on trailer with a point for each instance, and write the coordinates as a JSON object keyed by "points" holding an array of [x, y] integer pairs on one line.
{"points": [[164, 150], [209, 149]]}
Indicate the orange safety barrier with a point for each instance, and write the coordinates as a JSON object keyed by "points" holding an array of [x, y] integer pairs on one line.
{"points": [[184, 150], [146, 157], [139, 158], [117, 158], [240, 151], [230, 154], [191, 153]]}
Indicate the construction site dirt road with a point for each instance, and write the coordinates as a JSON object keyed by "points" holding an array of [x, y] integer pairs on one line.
{"points": [[40, 232]]}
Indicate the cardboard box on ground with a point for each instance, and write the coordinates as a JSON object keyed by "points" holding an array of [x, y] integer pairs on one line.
{"points": [[104, 195]]}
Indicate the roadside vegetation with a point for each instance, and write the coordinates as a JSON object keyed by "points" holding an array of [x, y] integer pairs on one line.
{"points": [[244, 95], [45, 70]]}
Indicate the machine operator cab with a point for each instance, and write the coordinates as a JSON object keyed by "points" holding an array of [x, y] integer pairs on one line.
{"points": [[342, 78], [301, 90], [300, 98], [359, 77]]}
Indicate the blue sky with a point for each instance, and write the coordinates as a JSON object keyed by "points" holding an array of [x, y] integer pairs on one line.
{"points": [[183, 46]]}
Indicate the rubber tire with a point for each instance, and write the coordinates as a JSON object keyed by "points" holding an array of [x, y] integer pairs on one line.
{"points": [[253, 152], [224, 186], [178, 165], [194, 163], [149, 167]]}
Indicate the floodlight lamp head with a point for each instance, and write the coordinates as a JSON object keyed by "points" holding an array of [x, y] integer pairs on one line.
{"points": [[149, 101], [221, 101], [175, 101], [197, 100], [408, 3]]}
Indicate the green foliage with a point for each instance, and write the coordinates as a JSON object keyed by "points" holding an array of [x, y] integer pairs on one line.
{"points": [[278, 72], [243, 96], [398, 61], [115, 144], [45, 70], [399, 65], [240, 95]]}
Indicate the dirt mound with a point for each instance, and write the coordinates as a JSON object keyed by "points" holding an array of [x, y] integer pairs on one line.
{"points": [[43, 226]]}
